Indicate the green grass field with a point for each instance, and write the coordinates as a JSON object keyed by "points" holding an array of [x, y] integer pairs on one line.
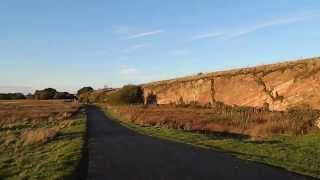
{"points": [[55, 159], [37, 142], [299, 154]]}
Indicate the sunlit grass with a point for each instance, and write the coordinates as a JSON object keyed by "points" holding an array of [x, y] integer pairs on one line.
{"points": [[40, 139], [55, 159]]}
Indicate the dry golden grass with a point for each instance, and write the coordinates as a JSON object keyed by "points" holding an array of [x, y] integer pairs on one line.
{"points": [[31, 110], [38, 134], [28, 120], [254, 122]]}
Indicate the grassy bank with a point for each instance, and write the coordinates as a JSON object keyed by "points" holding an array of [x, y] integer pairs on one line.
{"points": [[299, 154], [246, 121], [41, 145]]}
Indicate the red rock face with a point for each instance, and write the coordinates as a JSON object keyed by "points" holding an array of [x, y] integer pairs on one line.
{"points": [[242, 90], [182, 92], [280, 85]]}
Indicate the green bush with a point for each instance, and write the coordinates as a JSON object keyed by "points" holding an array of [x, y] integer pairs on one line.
{"points": [[12, 96], [129, 94], [85, 90], [50, 93], [45, 94], [63, 95]]}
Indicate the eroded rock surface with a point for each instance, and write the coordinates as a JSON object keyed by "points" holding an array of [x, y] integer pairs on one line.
{"points": [[279, 85]]}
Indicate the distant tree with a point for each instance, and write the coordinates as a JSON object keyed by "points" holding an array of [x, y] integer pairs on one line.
{"points": [[48, 93], [84, 90], [12, 96], [4, 97], [17, 96], [63, 95], [29, 96]]}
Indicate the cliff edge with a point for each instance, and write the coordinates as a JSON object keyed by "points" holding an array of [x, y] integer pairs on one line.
{"points": [[278, 86]]}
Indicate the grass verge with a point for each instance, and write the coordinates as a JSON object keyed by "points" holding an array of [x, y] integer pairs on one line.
{"points": [[57, 157], [300, 154]]}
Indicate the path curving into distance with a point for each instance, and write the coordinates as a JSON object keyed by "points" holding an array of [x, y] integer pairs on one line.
{"points": [[118, 153]]}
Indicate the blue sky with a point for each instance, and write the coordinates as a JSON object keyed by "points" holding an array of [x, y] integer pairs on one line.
{"points": [[67, 44]]}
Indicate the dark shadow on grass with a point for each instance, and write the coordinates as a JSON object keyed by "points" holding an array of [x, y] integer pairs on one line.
{"points": [[15, 128], [220, 135], [265, 142], [81, 170]]}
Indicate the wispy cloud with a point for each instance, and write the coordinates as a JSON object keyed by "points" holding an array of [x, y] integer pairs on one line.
{"points": [[206, 35], [241, 31], [133, 48], [275, 22], [129, 71], [144, 34]]}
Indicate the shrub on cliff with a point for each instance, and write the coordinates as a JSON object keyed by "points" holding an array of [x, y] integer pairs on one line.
{"points": [[129, 94]]}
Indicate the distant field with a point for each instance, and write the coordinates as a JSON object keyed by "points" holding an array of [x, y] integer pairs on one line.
{"points": [[285, 141], [40, 139]]}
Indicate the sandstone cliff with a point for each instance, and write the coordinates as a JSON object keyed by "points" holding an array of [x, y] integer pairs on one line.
{"points": [[278, 86]]}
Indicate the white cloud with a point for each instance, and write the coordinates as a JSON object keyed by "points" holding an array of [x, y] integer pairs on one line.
{"points": [[133, 48], [128, 71], [144, 34], [207, 35], [129, 32], [275, 22], [241, 31]]}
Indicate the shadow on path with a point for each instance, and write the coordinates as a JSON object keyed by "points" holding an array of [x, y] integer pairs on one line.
{"points": [[118, 153]]}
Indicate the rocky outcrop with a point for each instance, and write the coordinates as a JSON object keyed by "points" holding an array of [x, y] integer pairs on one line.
{"points": [[279, 86]]}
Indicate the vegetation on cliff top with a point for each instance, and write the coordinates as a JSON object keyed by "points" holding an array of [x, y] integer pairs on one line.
{"points": [[309, 64]]}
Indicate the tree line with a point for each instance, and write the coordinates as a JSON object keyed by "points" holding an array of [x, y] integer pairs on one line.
{"points": [[45, 94], [128, 94]]}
